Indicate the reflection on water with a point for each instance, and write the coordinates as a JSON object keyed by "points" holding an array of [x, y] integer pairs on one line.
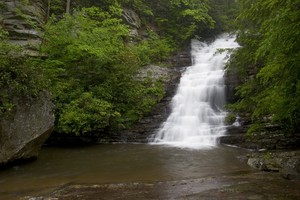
{"points": [[115, 163]]}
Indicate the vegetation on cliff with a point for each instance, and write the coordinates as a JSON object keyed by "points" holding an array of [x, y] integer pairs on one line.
{"points": [[90, 60], [20, 74], [95, 66], [268, 63]]}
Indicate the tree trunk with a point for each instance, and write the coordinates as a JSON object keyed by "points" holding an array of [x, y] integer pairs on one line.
{"points": [[48, 9], [68, 6]]}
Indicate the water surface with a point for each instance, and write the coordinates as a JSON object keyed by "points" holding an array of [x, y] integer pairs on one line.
{"points": [[119, 163]]}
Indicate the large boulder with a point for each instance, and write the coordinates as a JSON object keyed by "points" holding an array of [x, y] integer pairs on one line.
{"points": [[26, 128]]}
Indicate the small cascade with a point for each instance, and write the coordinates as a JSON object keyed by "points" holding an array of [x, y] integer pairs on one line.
{"points": [[197, 116]]}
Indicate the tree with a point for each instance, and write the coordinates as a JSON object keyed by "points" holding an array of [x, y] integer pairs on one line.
{"points": [[182, 19], [95, 86], [269, 31], [68, 5]]}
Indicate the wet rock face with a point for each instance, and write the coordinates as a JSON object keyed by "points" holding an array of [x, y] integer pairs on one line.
{"points": [[149, 124], [231, 81], [22, 20], [182, 59], [26, 128]]}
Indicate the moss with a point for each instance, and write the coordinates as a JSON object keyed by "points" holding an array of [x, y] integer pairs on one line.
{"points": [[268, 156], [230, 118]]}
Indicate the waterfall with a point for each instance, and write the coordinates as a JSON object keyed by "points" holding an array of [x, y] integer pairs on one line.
{"points": [[197, 116]]}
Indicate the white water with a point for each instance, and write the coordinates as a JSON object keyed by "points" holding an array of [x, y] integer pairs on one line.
{"points": [[197, 116]]}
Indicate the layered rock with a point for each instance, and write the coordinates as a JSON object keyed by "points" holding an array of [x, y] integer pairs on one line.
{"points": [[181, 59], [26, 128], [29, 124], [23, 20], [269, 141]]}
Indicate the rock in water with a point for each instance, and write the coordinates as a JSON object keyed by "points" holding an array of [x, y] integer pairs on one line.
{"points": [[26, 128]]}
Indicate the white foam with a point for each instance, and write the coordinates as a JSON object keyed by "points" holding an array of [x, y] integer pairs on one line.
{"points": [[197, 117]]}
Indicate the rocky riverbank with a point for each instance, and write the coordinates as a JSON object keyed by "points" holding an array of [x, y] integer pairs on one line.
{"points": [[287, 163], [272, 151]]}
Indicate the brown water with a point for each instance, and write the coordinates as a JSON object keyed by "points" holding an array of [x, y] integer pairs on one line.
{"points": [[57, 167]]}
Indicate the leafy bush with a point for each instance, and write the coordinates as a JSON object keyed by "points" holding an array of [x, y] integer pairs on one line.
{"points": [[85, 114], [94, 82]]}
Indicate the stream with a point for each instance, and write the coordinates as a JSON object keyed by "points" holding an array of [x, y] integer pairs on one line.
{"points": [[119, 163], [142, 171]]}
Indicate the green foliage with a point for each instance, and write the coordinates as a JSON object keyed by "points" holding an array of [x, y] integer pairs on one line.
{"points": [[224, 13], [56, 7], [230, 118], [140, 6], [182, 19], [20, 75], [154, 50], [93, 63], [269, 35], [3, 6], [178, 20], [138, 100], [85, 114], [94, 71]]}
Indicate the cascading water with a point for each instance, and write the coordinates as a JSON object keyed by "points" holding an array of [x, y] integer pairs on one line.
{"points": [[197, 118]]}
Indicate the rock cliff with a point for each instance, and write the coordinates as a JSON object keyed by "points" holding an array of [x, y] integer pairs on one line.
{"points": [[26, 128], [23, 21], [30, 122]]}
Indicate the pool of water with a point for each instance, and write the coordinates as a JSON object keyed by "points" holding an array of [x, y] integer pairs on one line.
{"points": [[118, 163]]}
